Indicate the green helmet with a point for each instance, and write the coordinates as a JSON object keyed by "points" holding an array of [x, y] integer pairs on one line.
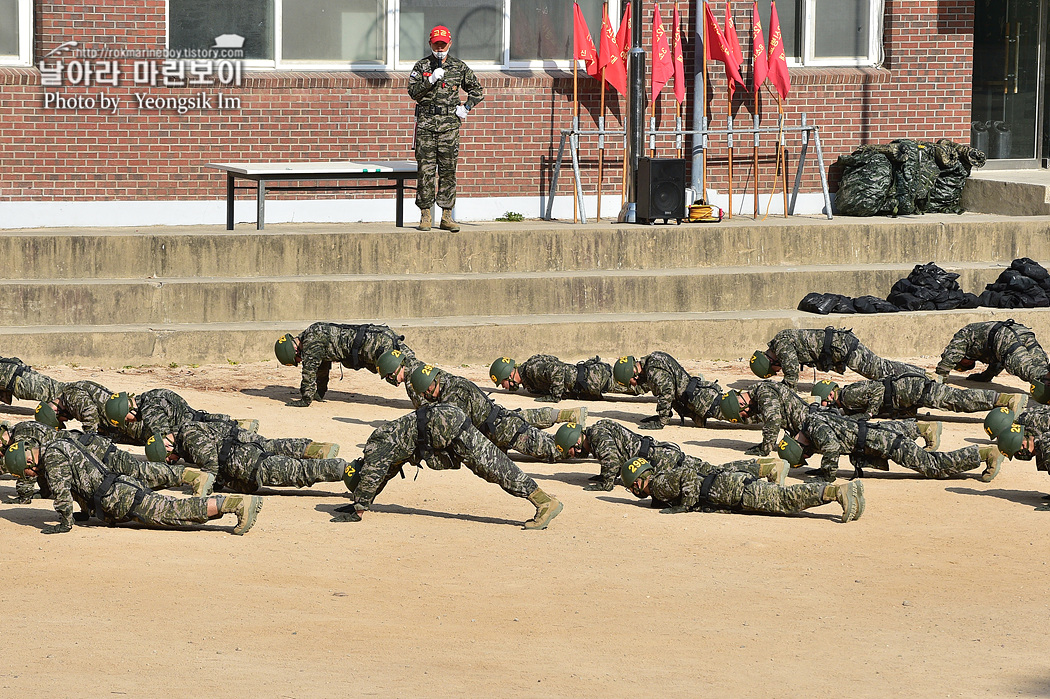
{"points": [[284, 348], [501, 369], [823, 389], [117, 408], [997, 420], [790, 450], [632, 470], [389, 362], [46, 414], [1040, 392], [567, 436], [352, 473], [1011, 440], [760, 365], [156, 450], [15, 458], [423, 377], [731, 406], [623, 370]]}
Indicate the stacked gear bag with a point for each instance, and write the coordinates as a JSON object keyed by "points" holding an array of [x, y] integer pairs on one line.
{"points": [[905, 177]]}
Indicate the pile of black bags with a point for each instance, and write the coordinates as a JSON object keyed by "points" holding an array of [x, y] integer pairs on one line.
{"points": [[1025, 285], [905, 177]]}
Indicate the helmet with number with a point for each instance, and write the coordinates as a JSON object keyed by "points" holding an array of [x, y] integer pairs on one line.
{"points": [[790, 450], [632, 470], [46, 414], [823, 389], [731, 406], [117, 408], [623, 370], [15, 458], [567, 436], [1011, 440], [501, 370], [423, 377], [284, 348], [389, 362], [997, 420], [352, 473], [760, 365], [1040, 392], [156, 450]]}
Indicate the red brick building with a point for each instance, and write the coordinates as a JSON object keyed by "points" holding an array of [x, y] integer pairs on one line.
{"points": [[326, 79]]}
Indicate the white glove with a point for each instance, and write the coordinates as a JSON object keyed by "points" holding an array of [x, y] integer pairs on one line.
{"points": [[436, 75], [461, 112]]}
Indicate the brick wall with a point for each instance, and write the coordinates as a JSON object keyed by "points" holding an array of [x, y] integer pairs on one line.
{"points": [[921, 91]]}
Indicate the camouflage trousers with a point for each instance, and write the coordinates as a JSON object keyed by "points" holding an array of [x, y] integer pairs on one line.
{"points": [[519, 430], [154, 508], [292, 447], [894, 441], [743, 491], [436, 156], [250, 468], [31, 385], [872, 366], [1029, 360], [958, 400]]}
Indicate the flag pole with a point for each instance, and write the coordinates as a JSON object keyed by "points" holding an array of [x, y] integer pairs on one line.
{"points": [[601, 147], [729, 123], [783, 155], [575, 121], [754, 155], [707, 107]]}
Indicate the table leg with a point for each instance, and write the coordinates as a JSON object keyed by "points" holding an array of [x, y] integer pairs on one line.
{"points": [[260, 205], [399, 216], [229, 201]]}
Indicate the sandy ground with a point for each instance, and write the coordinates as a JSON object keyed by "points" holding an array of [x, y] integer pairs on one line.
{"points": [[939, 590]]}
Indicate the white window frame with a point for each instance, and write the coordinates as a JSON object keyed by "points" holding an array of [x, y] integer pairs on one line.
{"points": [[809, 42], [25, 37]]}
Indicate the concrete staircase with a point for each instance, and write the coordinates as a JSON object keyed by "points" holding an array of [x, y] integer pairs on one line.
{"points": [[196, 295]]}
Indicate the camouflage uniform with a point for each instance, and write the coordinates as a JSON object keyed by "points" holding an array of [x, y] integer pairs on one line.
{"points": [[613, 445], [245, 461], [448, 440], [777, 407], [897, 395], [85, 401], [548, 376], [355, 346], [18, 380], [164, 411], [833, 435], [682, 487], [410, 363], [72, 473], [508, 429], [795, 349], [1036, 423], [675, 389], [437, 126], [999, 344]]}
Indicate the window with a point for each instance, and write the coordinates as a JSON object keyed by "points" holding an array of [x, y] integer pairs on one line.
{"points": [[383, 34], [16, 32], [828, 32]]}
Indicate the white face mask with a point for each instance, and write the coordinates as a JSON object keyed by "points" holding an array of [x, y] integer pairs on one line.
{"points": [[440, 54]]}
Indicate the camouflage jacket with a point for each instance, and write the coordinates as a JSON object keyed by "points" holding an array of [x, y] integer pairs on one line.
{"points": [[798, 348], [665, 378], [355, 346], [834, 435], [164, 411], [545, 374], [869, 397], [612, 445], [444, 94], [73, 474], [18, 380], [85, 401], [202, 443], [465, 395], [678, 486], [975, 341], [777, 407], [1036, 423]]}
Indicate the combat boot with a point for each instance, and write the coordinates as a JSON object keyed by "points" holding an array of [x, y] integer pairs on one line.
{"points": [[447, 224], [321, 450], [202, 482], [246, 507], [1016, 402], [931, 434], [577, 415], [250, 425], [426, 219], [849, 495], [935, 377], [773, 469], [547, 508], [993, 461]]}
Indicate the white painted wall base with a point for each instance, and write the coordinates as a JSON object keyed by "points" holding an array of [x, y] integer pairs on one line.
{"points": [[50, 214]]}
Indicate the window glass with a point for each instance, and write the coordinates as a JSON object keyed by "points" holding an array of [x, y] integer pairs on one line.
{"points": [[195, 24], [842, 29], [334, 30], [8, 27], [476, 26], [789, 12], [542, 29]]}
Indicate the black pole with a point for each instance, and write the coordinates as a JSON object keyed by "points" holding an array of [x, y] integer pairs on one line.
{"points": [[699, 104], [636, 105]]}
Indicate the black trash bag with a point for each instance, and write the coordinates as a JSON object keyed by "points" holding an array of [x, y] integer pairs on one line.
{"points": [[865, 188], [824, 304], [1023, 285], [1033, 270], [927, 288], [873, 304]]}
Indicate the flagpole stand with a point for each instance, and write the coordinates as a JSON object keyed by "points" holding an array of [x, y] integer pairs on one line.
{"points": [[572, 137]]}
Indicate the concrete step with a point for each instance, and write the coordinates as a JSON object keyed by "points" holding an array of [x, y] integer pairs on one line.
{"points": [[289, 299], [726, 335], [532, 246]]}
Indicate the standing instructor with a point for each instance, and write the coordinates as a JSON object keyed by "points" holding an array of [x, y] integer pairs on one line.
{"points": [[434, 84]]}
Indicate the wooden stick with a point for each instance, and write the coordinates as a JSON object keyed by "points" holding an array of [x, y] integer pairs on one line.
{"points": [[754, 159]]}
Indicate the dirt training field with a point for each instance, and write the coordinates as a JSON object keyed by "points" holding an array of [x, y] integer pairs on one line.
{"points": [[939, 590]]}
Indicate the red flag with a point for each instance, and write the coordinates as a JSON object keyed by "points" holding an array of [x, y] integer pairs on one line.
{"points": [[679, 63], [778, 66], [610, 58], [623, 38], [663, 64], [582, 45], [718, 49], [734, 46], [759, 67]]}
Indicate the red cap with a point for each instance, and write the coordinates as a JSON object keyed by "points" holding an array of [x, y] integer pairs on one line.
{"points": [[440, 33]]}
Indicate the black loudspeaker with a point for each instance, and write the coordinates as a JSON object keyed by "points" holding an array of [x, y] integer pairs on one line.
{"points": [[660, 190]]}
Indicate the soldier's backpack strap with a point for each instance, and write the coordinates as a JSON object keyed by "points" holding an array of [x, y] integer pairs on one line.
{"points": [[523, 424], [889, 393], [681, 404], [355, 346], [422, 432], [824, 358], [20, 370], [109, 482], [578, 386], [226, 448], [647, 447], [862, 437], [997, 329], [495, 413]]}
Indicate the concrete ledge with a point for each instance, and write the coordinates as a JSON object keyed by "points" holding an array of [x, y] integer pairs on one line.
{"points": [[1008, 198]]}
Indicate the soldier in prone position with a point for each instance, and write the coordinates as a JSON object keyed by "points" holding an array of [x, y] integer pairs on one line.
{"points": [[901, 396], [552, 379], [1001, 344], [676, 391], [18, 380], [773, 404]]}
